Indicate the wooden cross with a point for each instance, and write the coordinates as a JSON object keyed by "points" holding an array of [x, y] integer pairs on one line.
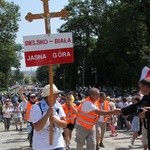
{"points": [[46, 16]]}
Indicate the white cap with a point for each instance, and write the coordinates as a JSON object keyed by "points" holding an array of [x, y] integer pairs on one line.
{"points": [[32, 94], [46, 90]]}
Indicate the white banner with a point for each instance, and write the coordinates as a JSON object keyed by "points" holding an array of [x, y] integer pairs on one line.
{"points": [[47, 42]]}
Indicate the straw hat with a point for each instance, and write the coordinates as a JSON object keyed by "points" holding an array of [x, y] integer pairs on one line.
{"points": [[46, 90]]}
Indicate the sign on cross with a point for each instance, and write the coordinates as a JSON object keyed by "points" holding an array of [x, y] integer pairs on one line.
{"points": [[47, 16]]}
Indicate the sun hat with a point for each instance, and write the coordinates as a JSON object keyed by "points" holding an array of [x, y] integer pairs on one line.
{"points": [[46, 90]]}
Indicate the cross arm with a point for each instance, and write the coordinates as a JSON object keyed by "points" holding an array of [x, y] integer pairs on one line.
{"points": [[30, 17]]}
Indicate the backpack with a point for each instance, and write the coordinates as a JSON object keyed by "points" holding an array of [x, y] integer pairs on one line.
{"points": [[57, 110], [39, 104]]}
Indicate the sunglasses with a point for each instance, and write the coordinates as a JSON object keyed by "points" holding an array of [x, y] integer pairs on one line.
{"points": [[32, 97]]}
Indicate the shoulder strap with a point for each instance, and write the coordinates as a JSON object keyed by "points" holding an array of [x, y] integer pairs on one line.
{"points": [[40, 108]]}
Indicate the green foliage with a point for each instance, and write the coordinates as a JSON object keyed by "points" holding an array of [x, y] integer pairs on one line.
{"points": [[3, 90], [18, 76], [2, 81], [33, 79], [42, 75], [9, 16], [27, 80], [111, 36]]}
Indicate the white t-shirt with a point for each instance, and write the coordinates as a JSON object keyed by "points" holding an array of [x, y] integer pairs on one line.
{"points": [[101, 118], [23, 104], [121, 104], [88, 106], [17, 112], [41, 138], [7, 112]]}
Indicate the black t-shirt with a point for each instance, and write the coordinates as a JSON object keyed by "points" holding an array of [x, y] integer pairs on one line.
{"points": [[145, 101]]}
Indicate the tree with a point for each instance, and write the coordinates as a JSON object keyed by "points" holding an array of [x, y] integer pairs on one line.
{"points": [[119, 30], [42, 75], [34, 80], [27, 80], [111, 36], [79, 23], [121, 46], [18, 76], [9, 16]]}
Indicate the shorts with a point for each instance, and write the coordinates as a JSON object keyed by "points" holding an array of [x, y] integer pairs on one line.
{"points": [[135, 125], [17, 120], [101, 127], [70, 126]]}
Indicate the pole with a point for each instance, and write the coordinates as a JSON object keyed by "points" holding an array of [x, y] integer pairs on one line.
{"points": [[51, 99]]}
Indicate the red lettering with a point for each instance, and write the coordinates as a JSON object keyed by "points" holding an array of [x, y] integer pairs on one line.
{"points": [[36, 42]]}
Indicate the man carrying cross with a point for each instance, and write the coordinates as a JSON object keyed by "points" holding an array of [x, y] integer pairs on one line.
{"points": [[42, 115], [50, 98]]}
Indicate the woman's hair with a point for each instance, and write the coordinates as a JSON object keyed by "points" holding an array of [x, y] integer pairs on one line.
{"points": [[70, 97]]}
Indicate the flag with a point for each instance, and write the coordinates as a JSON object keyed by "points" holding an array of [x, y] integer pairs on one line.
{"points": [[145, 73]]}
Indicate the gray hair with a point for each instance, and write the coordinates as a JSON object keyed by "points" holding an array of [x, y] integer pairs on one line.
{"points": [[93, 91]]}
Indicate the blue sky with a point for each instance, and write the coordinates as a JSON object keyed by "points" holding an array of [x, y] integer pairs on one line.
{"points": [[36, 27]]}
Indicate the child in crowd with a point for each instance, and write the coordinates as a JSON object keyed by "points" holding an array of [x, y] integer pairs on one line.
{"points": [[113, 125], [113, 119]]}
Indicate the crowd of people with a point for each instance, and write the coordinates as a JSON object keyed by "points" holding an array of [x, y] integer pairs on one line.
{"points": [[90, 114]]}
